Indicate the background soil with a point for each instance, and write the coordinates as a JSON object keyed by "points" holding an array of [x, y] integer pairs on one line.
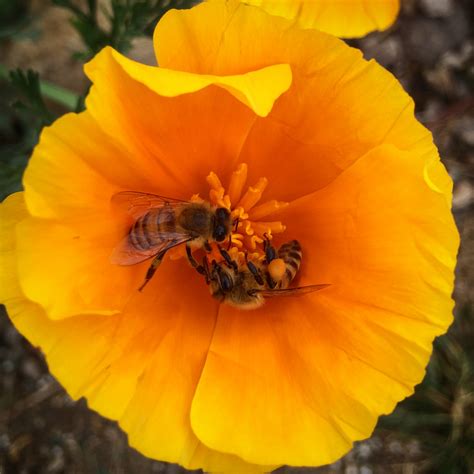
{"points": [[431, 50]]}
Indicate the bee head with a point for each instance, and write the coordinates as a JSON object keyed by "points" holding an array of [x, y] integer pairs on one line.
{"points": [[221, 283], [222, 224]]}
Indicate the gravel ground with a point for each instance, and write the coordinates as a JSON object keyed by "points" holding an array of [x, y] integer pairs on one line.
{"points": [[431, 51]]}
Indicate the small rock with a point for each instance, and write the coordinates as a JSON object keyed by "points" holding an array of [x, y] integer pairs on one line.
{"points": [[427, 40], [386, 51], [4, 441], [12, 337], [431, 112], [351, 469], [461, 58], [375, 443], [8, 366], [413, 448], [464, 129], [395, 447], [112, 434], [158, 467], [463, 195], [57, 464], [30, 368], [364, 450], [437, 8]]}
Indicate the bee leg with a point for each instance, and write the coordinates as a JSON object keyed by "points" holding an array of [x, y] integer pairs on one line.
{"points": [[199, 268], [235, 227], [205, 265], [228, 259], [152, 269], [270, 251], [207, 246], [270, 282], [255, 272], [191, 259], [225, 282]]}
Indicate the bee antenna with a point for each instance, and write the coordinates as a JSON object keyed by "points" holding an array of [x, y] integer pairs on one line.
{"points": [[236, 223]]}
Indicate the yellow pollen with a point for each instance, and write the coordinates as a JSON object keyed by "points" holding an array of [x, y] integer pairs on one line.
{"points": [[277, 269], [237, 182], [266, 209], [249, 231], [253, 194], [248, 238], [269, 228], [253, 242], [214, 181]]}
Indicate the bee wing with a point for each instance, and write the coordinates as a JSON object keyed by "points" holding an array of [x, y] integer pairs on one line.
{"points": [[299, 291], [136, 203], [126, 254]]}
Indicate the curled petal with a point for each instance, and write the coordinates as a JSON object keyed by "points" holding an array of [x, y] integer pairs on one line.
{"points": [[338, 107], [257, 89]]}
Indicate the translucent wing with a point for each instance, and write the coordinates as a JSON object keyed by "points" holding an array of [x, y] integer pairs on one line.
{"points": [[137, 204], [126, 254], [299, 291]]}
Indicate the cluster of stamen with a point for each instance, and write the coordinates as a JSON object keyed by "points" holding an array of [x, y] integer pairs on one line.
{"points": [[252, 220]]}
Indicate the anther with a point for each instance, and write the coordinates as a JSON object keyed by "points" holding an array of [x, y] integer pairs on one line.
{"points": [[253, 194], [237, 182], [248, 234]]}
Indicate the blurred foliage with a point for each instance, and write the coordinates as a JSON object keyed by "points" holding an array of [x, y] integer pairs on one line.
{"points": [[14, 17], [126, 20], [440, 415], [27, 85], [23, 108], [23, 114]]}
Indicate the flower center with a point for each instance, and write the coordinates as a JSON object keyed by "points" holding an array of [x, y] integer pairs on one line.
{"points": [[252, 221]]}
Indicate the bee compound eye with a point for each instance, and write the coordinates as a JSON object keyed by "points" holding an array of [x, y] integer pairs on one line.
{"points": [[220, 233], [222, 214], [225, 282]]}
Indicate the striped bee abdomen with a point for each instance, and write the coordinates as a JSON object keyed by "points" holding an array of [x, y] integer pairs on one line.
{"points": [[153, 228], [291, 254]]}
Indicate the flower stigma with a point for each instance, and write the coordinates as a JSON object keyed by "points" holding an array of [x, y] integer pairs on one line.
{"points": [[251, 223]]}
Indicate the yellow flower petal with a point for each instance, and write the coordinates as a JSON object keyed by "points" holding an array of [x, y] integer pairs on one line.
{"points": [[163, 131], [321, 368], [342, 18], [79, 278], [257, 89], [337, 109], [132, 367]]}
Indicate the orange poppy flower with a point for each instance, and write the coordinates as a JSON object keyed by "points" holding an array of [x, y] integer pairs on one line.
{"points": [[335, 158], [343, 18]]}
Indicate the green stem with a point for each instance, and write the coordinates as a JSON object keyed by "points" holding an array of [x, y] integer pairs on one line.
{"points": [[51, 91]]}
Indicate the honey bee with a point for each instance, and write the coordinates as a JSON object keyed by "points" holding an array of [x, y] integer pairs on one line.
{"points": [[162, 223], [248, 286]]}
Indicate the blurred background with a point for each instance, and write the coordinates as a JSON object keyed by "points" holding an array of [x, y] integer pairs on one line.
{"points": [[430, 49]]}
